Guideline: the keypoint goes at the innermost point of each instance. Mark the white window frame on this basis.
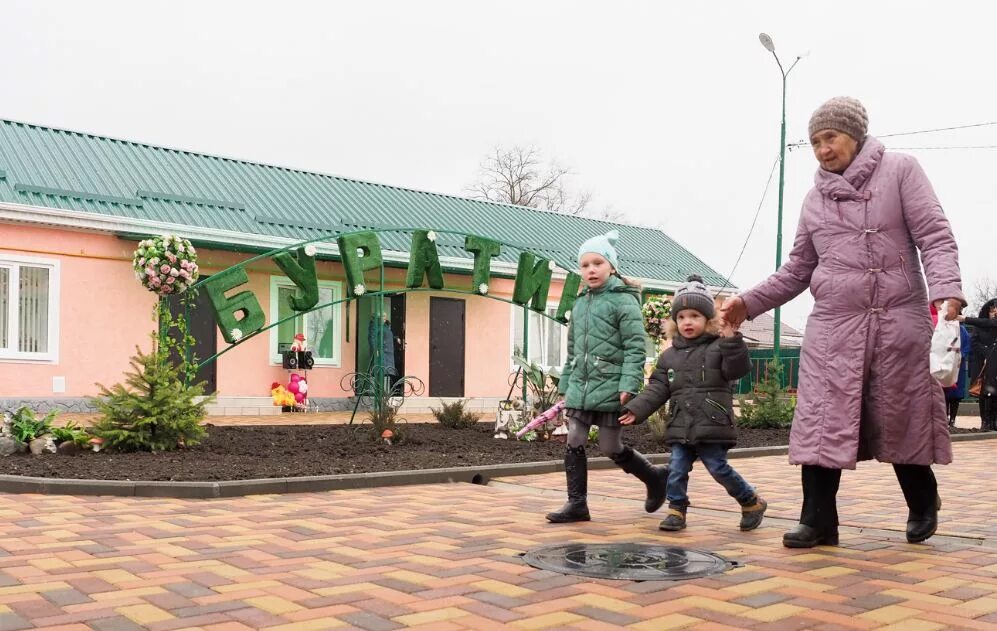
(279, 282)
(513, 332)
(14, 264)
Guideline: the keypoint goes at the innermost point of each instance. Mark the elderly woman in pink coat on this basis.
(865, 388)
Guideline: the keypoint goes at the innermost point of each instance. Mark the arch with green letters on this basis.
(240, 316)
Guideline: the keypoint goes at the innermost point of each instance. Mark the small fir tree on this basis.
(156, 409)
(771, 406)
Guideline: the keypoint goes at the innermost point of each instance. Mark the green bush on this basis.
(26, 427)
(657, 423)
(454, 416)
(71, 432)
(541, 384)
(519, 423)
(154, 410)
(593, 433)
(385, 420)
(771, 406)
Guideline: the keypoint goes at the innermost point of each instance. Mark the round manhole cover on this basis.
(627, 561)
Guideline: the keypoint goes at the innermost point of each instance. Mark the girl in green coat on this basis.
(604, 369)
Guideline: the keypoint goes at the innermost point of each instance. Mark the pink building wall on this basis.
(104, 312)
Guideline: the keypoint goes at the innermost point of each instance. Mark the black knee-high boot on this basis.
(577, 475)
(819, 515)
(921, 492)
(654, 478)
(987, 413)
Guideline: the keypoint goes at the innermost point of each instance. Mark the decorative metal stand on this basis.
(369, 391)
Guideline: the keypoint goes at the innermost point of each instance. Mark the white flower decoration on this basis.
(551, 265)
(236, 334)
(310, 250)
(359, 290)
(567, 315)
(483, 288)
(431, 235)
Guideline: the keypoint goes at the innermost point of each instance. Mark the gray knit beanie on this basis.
(693, 295)
(842, 113)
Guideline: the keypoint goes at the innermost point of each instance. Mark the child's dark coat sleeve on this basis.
(736, 361)
(655, 395)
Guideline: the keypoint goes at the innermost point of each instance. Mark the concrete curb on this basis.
(307, 484)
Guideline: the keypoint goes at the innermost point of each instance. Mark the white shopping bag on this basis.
(946, 353)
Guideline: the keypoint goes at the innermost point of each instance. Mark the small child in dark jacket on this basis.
(696, 374)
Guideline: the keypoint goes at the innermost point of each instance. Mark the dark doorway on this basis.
(394, 308)
(398, 330)
(202, 326)
(446, 347)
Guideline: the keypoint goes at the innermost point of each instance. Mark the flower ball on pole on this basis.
(166, 264)
(656, 311)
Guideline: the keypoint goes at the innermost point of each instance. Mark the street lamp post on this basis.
(770, 46)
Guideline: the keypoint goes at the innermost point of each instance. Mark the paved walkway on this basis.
(447, 557)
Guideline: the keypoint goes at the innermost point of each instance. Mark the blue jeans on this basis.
(714, 458)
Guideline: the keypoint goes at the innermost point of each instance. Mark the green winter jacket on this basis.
(696, 375)
(606, 348)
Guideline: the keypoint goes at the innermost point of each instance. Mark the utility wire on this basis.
(804, 143)
(943, 147)
(930, 131)
(751, 229)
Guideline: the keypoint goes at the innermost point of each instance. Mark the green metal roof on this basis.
(54, 168)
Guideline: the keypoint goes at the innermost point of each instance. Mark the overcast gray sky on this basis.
(668, 111)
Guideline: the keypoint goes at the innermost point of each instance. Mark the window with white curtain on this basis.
(548, 346)
(321, 327)
(29, 299)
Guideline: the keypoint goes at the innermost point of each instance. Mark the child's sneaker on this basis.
(674, 521)
(752, 513)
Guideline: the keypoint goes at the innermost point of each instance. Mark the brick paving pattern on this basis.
(869, 497)
(447, 557)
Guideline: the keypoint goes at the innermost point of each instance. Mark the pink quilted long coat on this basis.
(865, 389)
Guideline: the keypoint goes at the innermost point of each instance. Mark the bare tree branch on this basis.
(984, 289)
(608, 213)
(516, 176)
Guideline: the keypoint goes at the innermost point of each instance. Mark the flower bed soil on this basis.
(272, 451)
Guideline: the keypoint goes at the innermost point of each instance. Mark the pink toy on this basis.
(299, 397)
(303, 387)
(545, 417)
(293, 386)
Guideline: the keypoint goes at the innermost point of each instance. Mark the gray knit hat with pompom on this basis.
(693, 295)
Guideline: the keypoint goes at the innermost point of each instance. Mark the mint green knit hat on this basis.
(603, 245)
